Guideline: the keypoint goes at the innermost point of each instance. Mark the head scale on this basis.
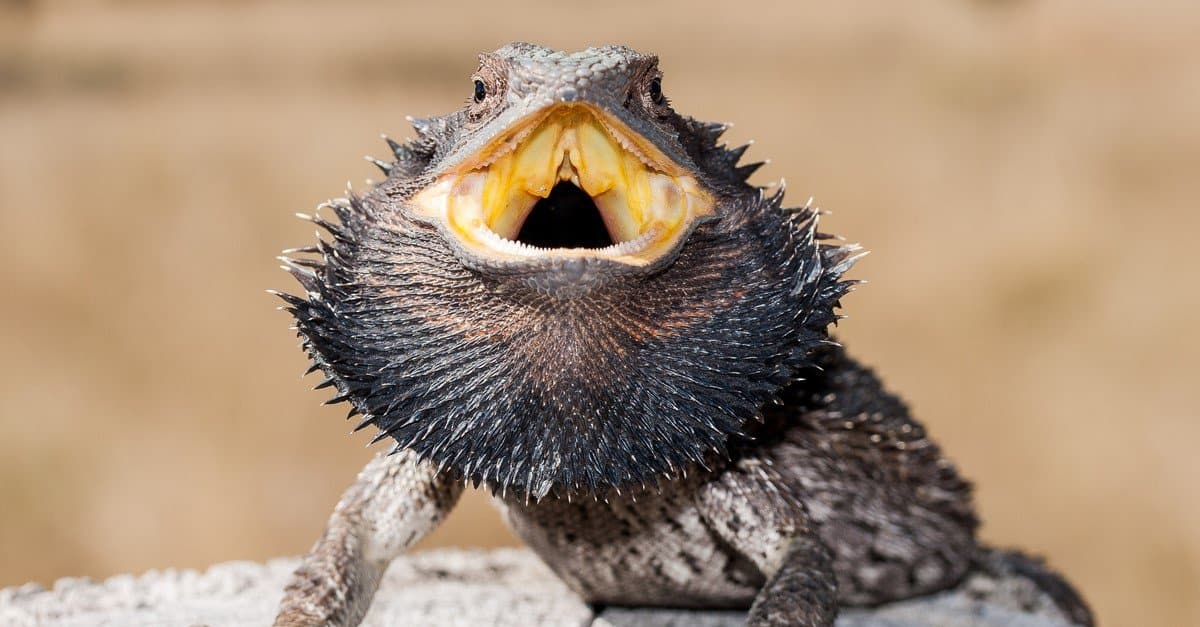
(558, 367)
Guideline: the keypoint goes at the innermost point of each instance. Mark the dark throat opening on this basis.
(567, 218)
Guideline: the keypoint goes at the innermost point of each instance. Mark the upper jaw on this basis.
(648, 202)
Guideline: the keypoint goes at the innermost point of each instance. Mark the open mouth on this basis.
(570, 181)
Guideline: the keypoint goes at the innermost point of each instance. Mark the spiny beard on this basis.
(624, 385)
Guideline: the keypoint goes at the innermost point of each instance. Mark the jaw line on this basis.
(649, 203)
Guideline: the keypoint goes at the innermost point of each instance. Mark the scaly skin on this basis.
(682, 433)
(395, 502)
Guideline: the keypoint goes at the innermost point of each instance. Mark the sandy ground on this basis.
(1025, 174)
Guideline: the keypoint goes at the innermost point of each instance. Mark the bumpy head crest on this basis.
(555, 369)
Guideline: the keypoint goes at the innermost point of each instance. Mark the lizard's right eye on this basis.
(480, 90)
(656, 95)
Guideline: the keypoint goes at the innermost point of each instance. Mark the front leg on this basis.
(803, 590)
(749, 509)
(393, 504)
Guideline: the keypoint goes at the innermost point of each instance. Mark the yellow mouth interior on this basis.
(645, 202)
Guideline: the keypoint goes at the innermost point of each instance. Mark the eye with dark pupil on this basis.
(480, 91)
(656, 95)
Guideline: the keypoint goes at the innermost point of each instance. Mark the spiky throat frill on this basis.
(538, 392)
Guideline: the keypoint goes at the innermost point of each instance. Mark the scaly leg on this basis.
(803, 590)
(393, 504)
(748, 511)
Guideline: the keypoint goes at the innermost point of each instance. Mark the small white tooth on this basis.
(635, 246)
(504, 245)
(628, 145)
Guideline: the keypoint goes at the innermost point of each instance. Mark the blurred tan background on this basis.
(1025, 174)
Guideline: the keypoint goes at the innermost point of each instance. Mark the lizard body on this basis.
(568, 293)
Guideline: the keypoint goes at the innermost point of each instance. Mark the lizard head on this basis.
(565, 287)
(560, 158)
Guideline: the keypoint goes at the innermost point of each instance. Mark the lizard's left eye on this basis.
(480, 91)
(656, 95)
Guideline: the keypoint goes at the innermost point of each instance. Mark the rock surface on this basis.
(455, 588)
